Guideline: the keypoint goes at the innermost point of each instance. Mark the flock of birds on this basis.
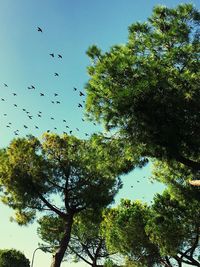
(39, 115)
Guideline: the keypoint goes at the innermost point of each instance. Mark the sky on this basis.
(69, 28)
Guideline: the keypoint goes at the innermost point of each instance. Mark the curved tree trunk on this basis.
(60, 252)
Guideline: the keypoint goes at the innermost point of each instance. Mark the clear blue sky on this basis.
(69, 28)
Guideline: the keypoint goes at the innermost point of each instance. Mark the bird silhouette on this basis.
(15, 105)
(56, 74)
(77, 129)
(59, 56)
(52, 54)
(25, 127)
(75, 89)
(52, 118)
(14, 94)
(39, 29)
(39, 115)
(5, 114)
(81, 93)
(82, 119)
(70, 132)
(41, 94)
(55, 94)
(5, 85)
(57, 102)
(67, 126)
(2, 99)
(64, 120)
(86, 134)
(52, 102)
(36, 127)
(30, 117)
(79, 105)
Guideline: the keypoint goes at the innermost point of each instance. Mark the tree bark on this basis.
(60, 252)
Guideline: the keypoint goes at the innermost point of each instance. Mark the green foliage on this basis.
(124, 230)
(32, 172)
(148, 88)
(173, 225)
(13, 258)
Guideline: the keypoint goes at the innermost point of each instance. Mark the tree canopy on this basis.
(59, 175)
(13, 258)
(148, 88)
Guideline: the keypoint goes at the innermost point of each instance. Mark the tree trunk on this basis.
(60, 252)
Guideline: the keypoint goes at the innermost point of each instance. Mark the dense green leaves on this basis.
(148, 88)
(13, 258)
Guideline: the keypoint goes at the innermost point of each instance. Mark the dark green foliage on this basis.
(148, 89)
(13, 258)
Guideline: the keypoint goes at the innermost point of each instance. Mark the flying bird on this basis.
(59, 56)
(15, 105)
(2, 99)
(39, 115)
(55, 94)
(25, 127)
(52, 54)
(14, 94)
(79, 105)
(70, 132)
(52, 102)
(5, 85)
(56, 74)
(57, 102)
(64, 120)
(75, 89)
(81, 93)
(52, 118)
(36, 127)
(41, 94)
(39, 29)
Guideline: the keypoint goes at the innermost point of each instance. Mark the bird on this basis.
(8, 126)
(77, 129)
(15, 105)
(52, 54)
(52, 102)
(25, 127)
(29, 87)
(83, 120)
(2, 99)
(55, 94)
(30, 117)
(138, 181)
(36, 127)
(79, 105)
(94, 123)
(59, 56)
(5, 85)
(70, 132)
(75, 89)
(81, 93)
(32, 86)
(24, 109)
(131, 186)
(86, 134)
(5, 114)
(52, 118)
(14, 94)
(41, 94)
(56, 74)
(39, 115)
(57, 102)
(55, 128)
(40, 112)
(64, 120)
(39, 29)
(67, 126)
(48, 131)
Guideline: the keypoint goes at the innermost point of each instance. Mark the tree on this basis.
(164, 234)
(124, 230)
(148, 89)
(61, 176)
(13, 258)
(86, 243)
(175, 228)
